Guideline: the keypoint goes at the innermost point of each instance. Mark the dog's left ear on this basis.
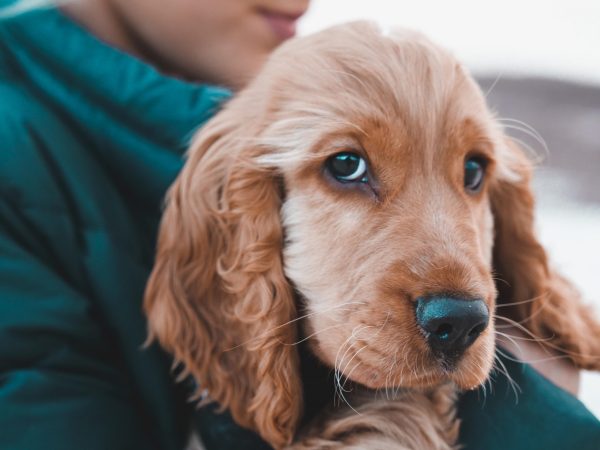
(217, 297)
(541, 299)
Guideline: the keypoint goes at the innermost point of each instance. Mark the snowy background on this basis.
(511, 44)
(556, 38)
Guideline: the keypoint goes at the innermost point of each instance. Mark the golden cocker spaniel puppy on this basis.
(358, 194)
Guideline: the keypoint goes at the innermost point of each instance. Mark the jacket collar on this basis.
(137, 121)
(74, 68)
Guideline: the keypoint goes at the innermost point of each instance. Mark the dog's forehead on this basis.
(360, 69)
(394, 90)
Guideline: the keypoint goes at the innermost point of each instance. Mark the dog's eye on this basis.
(348, 167)
(474, 173)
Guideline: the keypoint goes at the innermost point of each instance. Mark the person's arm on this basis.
(555, 367)
(62, 384)
(520, 409)
(60, 387)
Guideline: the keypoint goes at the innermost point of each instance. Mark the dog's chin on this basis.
(467, 380)
(463, 378)
(376, 380)
(474, 368)
(468, 373)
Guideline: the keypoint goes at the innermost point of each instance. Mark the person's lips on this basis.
(283, 25)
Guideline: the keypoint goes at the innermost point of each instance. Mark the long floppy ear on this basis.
(217, 297)
(540, 299)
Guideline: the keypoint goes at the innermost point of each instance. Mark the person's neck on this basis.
(103, 20)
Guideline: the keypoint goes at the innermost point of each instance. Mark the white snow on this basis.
(559, 38)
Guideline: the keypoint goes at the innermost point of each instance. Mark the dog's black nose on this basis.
(450, 324)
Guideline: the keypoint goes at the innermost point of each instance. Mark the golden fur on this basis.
(258, 248)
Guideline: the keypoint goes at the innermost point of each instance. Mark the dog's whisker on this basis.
(313, 334)
(484, 389)
(346, 366)
(353, 335)
(525, 128)
(338, 361)
(341, 395)
(546, 342)
(491, 88)
(521, 338)
(321, 311)
(339, 372)
(365, 346)
(514, 342)
(383, 325)
(390, 373)
(348, 377)
(532, 361)
(268, 332)
(536, 159)
(537, 137)
(496, 277)
(512, 383)
(489, 384)
(514, 324)
(522, 302)
(540, 305)
(523, 124)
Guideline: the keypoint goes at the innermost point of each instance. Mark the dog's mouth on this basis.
(386, 351)
(368, 365)
(375, 378)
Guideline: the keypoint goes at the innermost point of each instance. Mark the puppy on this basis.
(358, 195)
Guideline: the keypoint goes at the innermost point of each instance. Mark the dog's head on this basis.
(361, 183)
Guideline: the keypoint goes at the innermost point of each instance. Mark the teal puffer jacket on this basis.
(90, 139)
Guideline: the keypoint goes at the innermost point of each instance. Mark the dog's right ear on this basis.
(217, 297)
(538, 298)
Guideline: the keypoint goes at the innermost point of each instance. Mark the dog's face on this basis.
(386, 207)
(359, 182)
(363, 253)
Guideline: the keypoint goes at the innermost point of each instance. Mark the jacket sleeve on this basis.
(60, 387)
(526, 412)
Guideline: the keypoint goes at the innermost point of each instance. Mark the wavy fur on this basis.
(254, 230)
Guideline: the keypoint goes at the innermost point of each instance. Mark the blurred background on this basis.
(539, 62)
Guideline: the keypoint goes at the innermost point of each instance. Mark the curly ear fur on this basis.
(217, 297)
(540, 299)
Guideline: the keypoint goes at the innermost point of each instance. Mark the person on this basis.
(99, 99)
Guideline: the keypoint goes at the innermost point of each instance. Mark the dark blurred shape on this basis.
(567, 116)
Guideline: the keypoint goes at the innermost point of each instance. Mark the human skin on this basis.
(553, 366)
(212, 41)
(226, 42)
